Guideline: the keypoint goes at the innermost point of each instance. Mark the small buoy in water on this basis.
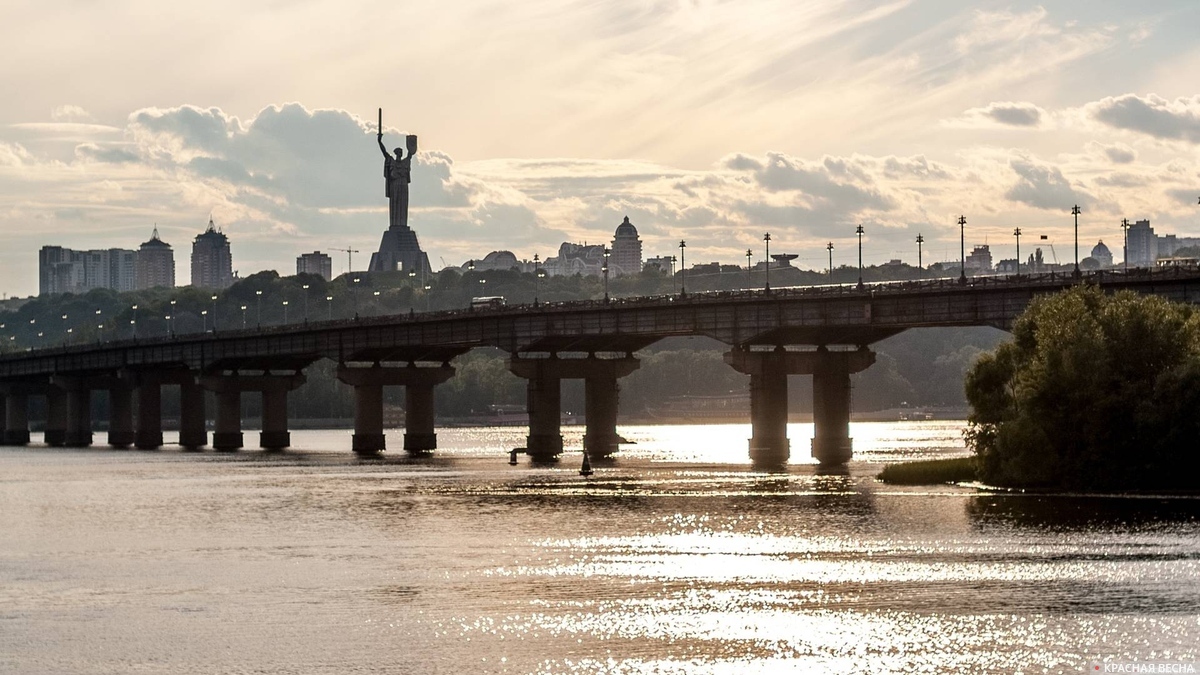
(512, 457)
(586, 469)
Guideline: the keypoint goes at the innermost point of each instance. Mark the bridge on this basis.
(823, 331)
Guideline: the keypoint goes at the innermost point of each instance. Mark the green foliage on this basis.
(930, 472)
(1094, 392)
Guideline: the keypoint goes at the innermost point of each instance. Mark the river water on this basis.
(676, 557)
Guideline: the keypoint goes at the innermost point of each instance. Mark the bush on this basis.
(930, 472)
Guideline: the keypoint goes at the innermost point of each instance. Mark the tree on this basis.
(1094, 392)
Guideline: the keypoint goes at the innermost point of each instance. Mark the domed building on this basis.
(1102, 255)
(626, 250)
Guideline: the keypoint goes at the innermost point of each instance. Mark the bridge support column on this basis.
(544, 399)
(768, 371)
(420, 415)
(77, 428)
(227, 434)
(55, 433)
(120, 417)
(149, 435)
(16, 419)
(192, 434)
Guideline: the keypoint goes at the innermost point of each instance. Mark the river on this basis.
(675, 557)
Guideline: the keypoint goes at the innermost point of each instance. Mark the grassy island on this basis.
(930, 472)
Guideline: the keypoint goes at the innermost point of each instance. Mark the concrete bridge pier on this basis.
(16, 418)
(192, 433)
(55, 432)
(148, 435)
(544, 401)
(120, 416)
(227, 432)
(420, 415)
(768, 371)
(76, 413)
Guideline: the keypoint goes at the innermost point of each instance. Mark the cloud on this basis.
(1005, 114)
(71, 113)
(1120, 154)
(1044, 187)
(1151, 115)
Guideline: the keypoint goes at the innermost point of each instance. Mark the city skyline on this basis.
(700, 122)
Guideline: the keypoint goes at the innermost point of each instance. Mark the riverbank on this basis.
(930, 472)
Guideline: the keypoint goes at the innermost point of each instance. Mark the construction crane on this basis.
(349, 257)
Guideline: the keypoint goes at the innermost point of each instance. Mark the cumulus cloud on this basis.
(1151, 115)
(1004, 113)
(1120, 153)
(1044, 187)
(71, 113)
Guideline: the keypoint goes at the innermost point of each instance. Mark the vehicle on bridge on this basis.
(487, 302)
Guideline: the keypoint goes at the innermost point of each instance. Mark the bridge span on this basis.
(823, 331)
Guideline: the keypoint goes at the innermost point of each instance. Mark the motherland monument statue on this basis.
(399, 248)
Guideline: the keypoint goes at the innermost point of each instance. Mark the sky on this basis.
(545, 121)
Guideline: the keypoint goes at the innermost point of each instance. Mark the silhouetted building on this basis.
(155, 266)
(1102, 255)
(315, 263)
(584, 259)
(626, 250)
(63, 270)
(212, 262)
(1143, 246)
(980, 260)
(496, 260)
(661, 263)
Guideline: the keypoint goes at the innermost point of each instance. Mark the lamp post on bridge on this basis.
(962, 249)
(920, 240)
(682, 269)
(329, 308)
(672, 274)
(172, 318)
(354, 291)
(204, 320)
(767, 261)
(243, 317)
(1125, 249)
(859, 231)
(829, 247)
(604, 269)
(1017, 234)
(285, 312)
(749, 270)
(214, 312)
(305, 288)
(537, 275)
(1075, 211)
(258, 308)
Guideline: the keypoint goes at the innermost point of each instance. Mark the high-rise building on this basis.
(626, 250)
(155, 266)
(63, 270)
(315, 263)
(212, 263)
(1143, 245)
(979, 260)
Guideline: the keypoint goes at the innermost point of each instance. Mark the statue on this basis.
(397, 174)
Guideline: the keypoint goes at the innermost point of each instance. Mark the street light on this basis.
(214, 312)
(427, 289)
(749, 269)
(537, 274)
(604, 269)
(378, 309)
(829, 247)
(767, 260)
(860, 234)
(258, 308)
(204, 319)
(962, 249)
(1075, 211)
(673, 274)
(243, 317)
(682, 269)
(1125, 254)
(285, 306)
(329, 307)
(172, 318)
(920, 240)
(354, 288)
(305, 287)
(1017, 234)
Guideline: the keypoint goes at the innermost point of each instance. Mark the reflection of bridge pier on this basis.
(768, 371)
(602, 393)
(419, 415)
